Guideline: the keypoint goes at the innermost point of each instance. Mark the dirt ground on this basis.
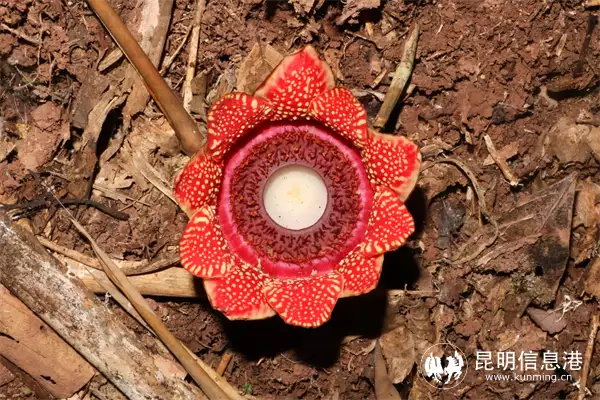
(503, 260)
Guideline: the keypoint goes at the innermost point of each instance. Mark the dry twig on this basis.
(591, 3)
(401, 77)
(184, 126)
(169, 60)
(20, 35)
(206, 383)
(500, 161)
(589, 351)
(139, 269)
(193, 55)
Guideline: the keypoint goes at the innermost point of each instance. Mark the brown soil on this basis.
(482, 68)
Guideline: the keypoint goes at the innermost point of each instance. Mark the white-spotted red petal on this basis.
(392, 161)
(306, 302)
(360, 272)
(339, 110)
(390, 223)
(202, 248)
(239, 295)
(295, 82)
(231, 117)
(198, 183)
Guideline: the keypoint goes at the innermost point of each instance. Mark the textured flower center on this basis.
(295, 199)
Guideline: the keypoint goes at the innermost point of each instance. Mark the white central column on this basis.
(295, 197)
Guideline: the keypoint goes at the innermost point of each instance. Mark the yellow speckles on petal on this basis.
(239, 294)
(361, 273)
(297, 80)
(392, 161)
(339, 110)
(232, 117)
(306, 302)
(202, 248)
(390, 223)
(198, 183)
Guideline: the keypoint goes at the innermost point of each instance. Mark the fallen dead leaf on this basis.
(548, 320)
(255, 68)
(592, 280)
(507, 152)
(302, 7)
(534, 248)
(586, 221)
(570, 142)
(352, 9)
(439, 177)
(398, 348)
(384, 389)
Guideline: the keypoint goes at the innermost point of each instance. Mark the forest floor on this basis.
(505, 257)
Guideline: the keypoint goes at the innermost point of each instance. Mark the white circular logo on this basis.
(443, 366)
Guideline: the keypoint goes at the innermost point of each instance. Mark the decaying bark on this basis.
(62, 301)
(28, 343)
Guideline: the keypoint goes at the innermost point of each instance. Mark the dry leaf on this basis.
(592, 281)
(439, 177)
(303, 7)
(353, 7)
(586, 221)
(384, 389)
(398, 348)
(256, 67)
(549, 321)
(570, 142)
(534, 241)
(507, 152)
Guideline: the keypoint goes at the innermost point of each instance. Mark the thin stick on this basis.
(500, 161)
(184, 126)
(146, 268)
(591, 3)
(401, 77)
(67, 202)
(20, 35)
(169, 60)
(589, 351)
(206, 383)
(193, 55)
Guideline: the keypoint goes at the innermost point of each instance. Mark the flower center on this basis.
(295, 197)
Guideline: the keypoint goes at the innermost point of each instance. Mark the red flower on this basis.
(294, 201)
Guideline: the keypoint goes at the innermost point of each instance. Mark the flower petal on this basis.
(392, 161)
(239, 295)
(202, 248)
(361, 273)
(299, 78)
(306, 302)
(390, 223)
(198, 183)
(339, 110)
(230, 118)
